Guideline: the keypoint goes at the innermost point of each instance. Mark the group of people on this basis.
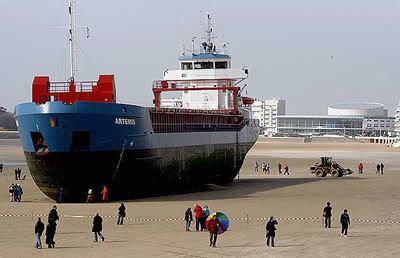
(379, 168)
(17, 173)
(16, 192)
(266, 168)
(344, 219)
(200, 214)
(51, 227)
(104, 195)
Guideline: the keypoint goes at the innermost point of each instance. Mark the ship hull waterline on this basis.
(140, 173)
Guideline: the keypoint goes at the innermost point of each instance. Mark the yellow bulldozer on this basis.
(329, 166)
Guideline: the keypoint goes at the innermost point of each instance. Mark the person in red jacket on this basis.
(198, 214)
(104, 193)
(360, 168)
(213, 228)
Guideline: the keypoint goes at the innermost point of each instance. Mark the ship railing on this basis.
(182, 84)
(191, 111)
(217, 51)
(62, 87)
(197, 127)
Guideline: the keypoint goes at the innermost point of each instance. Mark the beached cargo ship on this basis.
(76, 136)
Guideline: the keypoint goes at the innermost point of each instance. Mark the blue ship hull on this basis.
(88, 145)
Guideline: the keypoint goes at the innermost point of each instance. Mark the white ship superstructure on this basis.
(206, 68)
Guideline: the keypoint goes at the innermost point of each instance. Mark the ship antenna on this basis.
(208, 28)
(193, 40)
(72, 44)
(208, 45)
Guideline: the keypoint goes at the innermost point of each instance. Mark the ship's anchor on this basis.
(119, 161)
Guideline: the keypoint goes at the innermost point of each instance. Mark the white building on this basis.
(353, 119)
(267, 111)
(361, 109)
(397, 121)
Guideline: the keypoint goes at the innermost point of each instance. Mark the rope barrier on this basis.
(181, 219)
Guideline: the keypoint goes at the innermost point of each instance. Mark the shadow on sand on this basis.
(242, 188)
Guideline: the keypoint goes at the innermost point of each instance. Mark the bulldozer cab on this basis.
(326, 161)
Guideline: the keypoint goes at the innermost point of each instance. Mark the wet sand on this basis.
(154, 226)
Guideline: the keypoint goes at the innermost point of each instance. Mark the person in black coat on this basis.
(97, 227)
(53, 215)
(327, 214)
(39, 228)
(345, 220)
(50, 232)
(271, 231)
(188, 218)
(121, 214)
(60, 196)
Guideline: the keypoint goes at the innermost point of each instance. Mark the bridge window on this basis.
(203, 65)
(221, 65)
(186, 66)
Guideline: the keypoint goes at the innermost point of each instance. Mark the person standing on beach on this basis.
(256, 166)
(20, 192)
(345, 220)
(11, 191)
(270, 228)
(121, 214)
(198, 214)
(268, 168)
(327, 213)
(280, 168)
(97, 227)
(53, 215)
(378, 168)
(382, 166)
(360, 168)
(89, 198)
(16, 173)
(206, 213)
(188, 218)
(39, 228)
(286, 168)
(264, 167)
(104, 197)
(213, 226)
(1, 167)
(50, 233)
(60, 196)
(17, 193)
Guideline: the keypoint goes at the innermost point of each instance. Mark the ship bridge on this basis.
(205, 66)
(205, 77)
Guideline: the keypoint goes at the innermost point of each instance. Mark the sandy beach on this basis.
(154, 227)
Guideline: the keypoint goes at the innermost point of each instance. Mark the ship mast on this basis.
(208, 28)
(72, 43)
(208, 44)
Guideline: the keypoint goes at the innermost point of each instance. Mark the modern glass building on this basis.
(336, 125)
(320, 125)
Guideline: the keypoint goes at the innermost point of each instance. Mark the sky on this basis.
(310, 53)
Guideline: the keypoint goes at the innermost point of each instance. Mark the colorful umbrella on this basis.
(222, 219)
